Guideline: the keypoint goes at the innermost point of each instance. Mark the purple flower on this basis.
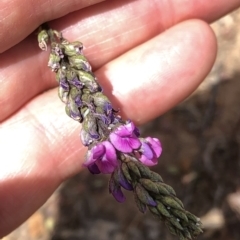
(102, 158)
(117, 181)
(150, 151)
(116, 191)
(124, 138)
(121, 179)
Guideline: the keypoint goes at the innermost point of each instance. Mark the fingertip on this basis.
(28, 15)
(157, 75)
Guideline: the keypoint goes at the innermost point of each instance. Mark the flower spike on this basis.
(114, 145)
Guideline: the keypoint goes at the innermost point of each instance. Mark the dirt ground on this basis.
(201, 160)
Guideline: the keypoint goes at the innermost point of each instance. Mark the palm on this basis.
(142, 71)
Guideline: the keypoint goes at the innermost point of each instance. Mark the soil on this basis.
(201, 161)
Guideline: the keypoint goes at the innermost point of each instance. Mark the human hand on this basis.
(142, 69)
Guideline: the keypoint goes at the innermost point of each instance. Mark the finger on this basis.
(28, 15)
(31, 166)
(160, 73)
(24, 74)
(155, 76)
(112, 28)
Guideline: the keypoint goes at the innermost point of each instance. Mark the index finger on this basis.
(28, 15)
(18, 18)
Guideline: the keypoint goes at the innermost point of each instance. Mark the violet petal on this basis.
(89, 159)
(93, 168)
(130, 127)
(134, 143)
(98, 151)
(78, 101)
(148, 162)
(123, 181)
(146, 150)
(122, 131)
(118, 195)
(116, 191)
(105, 167)
(155, 145)
(121, 144)
(110, 152)
(151, 202)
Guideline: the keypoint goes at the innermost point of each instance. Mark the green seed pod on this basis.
(170, 202)
(153, 210)
(176, 223)
(179, 214)
(141, 206)
(145, 171)
(156, 177)
(169, 189)
(144, 196)
(197, 231)
(178, 201)
(132, 166)
(163, 210)
(181, 236)
(171, 228)
(149, 185)
(126, 172)
(186, 234)
(192, 217)
(161, 189)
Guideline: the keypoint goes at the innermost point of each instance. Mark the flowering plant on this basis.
(114, 146)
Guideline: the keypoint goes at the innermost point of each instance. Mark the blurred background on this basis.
(201, 161)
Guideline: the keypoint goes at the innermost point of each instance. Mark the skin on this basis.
(147, 55)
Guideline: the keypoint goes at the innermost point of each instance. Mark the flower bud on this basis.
(61, 75)
(43, 39)
(144, 196)
(102, 102)
(54, 62)
(76, 96)
(79, 62)
(89, 131)
(63, 94)
(74, 80)
(73, 104)
(89, 81)
(116, 191)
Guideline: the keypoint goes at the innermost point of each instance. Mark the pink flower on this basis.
(150, 151)
(125, 139)
(101, 158)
